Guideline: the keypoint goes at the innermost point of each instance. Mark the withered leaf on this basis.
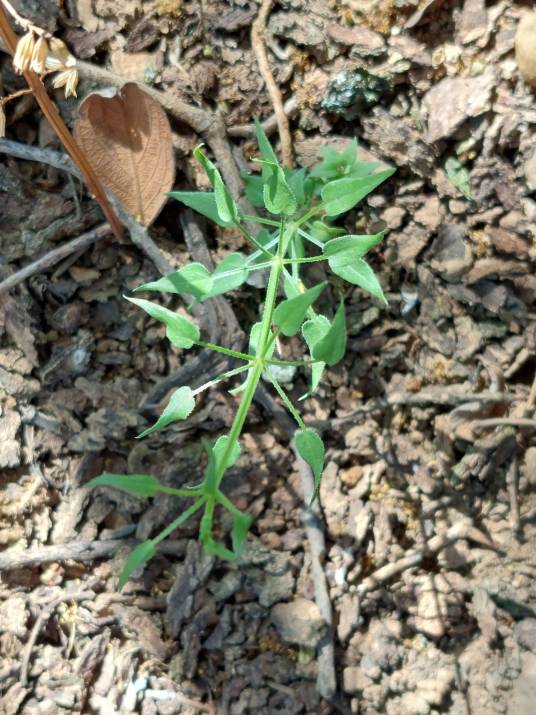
(127, 140)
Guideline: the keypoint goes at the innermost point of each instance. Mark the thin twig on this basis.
(82, 550)
(55, 256)
(312, 520)
(51, 113)
(415, 557)
(512, 481)
(139, 234)
(247, 131)
(41, 620)
(258, 33)
(524, 422)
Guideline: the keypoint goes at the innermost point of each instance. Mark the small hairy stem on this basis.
(179, 520)
(259, 363)
(221, 378)
(226, 351)
(286, 400)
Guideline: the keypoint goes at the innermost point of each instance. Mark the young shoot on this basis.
(301, 206)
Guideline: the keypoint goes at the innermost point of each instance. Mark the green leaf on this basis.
(459, 176)
(241, 524)
(361, 274)
(311, 449)
(180, 406)
(204, 202)
(289, 315)
(296, 179)
(254, 335)
(253, 184)
(179, 331)
(226, 207)
(313, 331)
(140, 485)
(341, 195)
(345, 249)
(219, 447)
(331, 348)
(222, 283)
(265, 148)
(278, 196)
(323, 231)
(192, 279)
(137, 558)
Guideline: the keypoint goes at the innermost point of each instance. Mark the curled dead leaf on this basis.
(127, 140)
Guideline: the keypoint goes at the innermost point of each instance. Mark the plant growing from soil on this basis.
(302, 206)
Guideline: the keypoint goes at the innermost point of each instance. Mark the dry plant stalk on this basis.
(28, 58)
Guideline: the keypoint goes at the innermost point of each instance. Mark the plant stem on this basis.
(259, 363)
(286, 400)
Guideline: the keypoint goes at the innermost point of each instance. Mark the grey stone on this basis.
(299, 621)
(525, 633)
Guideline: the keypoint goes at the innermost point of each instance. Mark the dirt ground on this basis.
(411, 591)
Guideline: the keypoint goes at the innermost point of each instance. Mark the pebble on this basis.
(299, 621)
(526, 48)
(525, 633)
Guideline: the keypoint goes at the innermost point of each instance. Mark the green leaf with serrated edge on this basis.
(140, 485)
(331, 348)
(139, 556)
(180, 406)
(222, 283)
(289, 315)
(179, 330)
(345, 249)
(227, 209)
(296, 180)
(311, 449)
(239, 533)
(313, 331)
(341, 195)
(265, 148)
(323, 232)
(192, 279)
(278, 196)
(219, 448)
(204, 202)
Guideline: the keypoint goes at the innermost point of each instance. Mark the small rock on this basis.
(506, 241)
(370, 667)
(354, 680)
(530, 172)
(451, 253)
(414, 704)
(525, 633)
(13, 616)
(430, 214)
(453, 100)
(523, 695)
(393, 216)
(299, 621)
(526, 48)
(362, 40)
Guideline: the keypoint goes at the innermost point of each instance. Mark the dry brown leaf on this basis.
(127, 139)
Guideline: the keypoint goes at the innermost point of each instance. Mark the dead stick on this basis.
(50, 111)
(76, 551)
(312, 520)
(414, 558)
(258, 32)
(55, 256)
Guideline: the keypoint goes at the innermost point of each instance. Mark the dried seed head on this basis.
(24, 52)
(62, 56)
(2, 121)
(39, 56)
(69, 80)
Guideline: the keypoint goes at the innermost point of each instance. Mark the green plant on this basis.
(305, 204)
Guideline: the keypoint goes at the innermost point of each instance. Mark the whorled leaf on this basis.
(179, 330)
(180, 406)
